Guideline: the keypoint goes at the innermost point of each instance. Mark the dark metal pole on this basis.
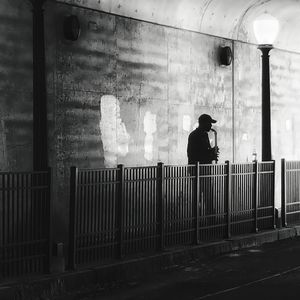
(266, 104)
(40, 130)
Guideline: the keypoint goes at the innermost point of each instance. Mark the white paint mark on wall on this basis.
(149, 128)
(115, 138)
(288, 125)
(186, 123)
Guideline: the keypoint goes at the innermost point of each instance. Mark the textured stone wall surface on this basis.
(130, 92)
(15, 85)
(247, 102)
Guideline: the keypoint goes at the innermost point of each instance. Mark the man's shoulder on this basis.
(197, 133)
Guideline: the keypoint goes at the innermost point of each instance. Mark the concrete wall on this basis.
(130, 92)
(15, 85)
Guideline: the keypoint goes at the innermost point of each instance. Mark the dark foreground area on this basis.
(271, 270)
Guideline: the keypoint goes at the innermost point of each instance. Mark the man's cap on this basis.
(206, 119)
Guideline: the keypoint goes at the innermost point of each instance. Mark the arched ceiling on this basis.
(225, 18)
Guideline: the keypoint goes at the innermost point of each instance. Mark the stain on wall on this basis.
(114, 136)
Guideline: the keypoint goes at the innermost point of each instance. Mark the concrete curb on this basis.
(50, 286)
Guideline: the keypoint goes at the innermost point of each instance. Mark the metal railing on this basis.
(24, 223)
(122, 211)
(290, 192)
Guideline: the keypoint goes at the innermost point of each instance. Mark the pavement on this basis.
(196, 269)
(269, 271)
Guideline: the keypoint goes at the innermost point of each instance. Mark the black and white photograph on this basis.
(149, 149)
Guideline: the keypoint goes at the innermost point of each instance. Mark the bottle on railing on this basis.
(254, 155)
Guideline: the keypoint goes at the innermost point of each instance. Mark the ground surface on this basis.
(271, 271)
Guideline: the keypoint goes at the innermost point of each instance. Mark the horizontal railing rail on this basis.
(25, 223)
(127, 210)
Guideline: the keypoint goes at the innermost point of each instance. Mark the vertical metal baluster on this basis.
(4, 227)
(136, 209)
(93, 217)
(22, 224)
(147, 211)
(179, 208)
(119, 215)
(196, 203)
(107, 205)
(9, 216)
(144, 215)
(73, 217)
(100, 252)
(142, 211)
(234, 198)
(152, 205)
(176, 211)
(256, 189)
(160, 206)
(228, 197)
(283, 192)
(103, 228)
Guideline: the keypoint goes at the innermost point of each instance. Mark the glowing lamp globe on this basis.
(265, 29)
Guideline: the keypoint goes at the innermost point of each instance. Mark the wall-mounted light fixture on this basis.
(225, 55)
(71, 28)
(265, 29)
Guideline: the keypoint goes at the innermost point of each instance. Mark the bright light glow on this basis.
(265, 28)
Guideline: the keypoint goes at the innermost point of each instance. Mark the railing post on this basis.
(196, 203)
(256, 190)
(160, 206)
(119, 211)
(273, 192)
(228, 198)
(283, 192)
(73, 217)
(49, 221)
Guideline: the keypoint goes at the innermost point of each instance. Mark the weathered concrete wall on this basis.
(15, 85)
(285, 93)
(130, 92)
(229, 19)
(285, 107)
(247, 102)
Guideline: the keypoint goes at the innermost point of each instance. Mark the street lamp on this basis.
(265, 30)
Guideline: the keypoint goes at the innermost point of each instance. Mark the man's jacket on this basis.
(199, 148)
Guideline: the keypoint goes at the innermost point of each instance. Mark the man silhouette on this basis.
(199, 148)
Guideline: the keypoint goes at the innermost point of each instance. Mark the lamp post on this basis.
(265, 30)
